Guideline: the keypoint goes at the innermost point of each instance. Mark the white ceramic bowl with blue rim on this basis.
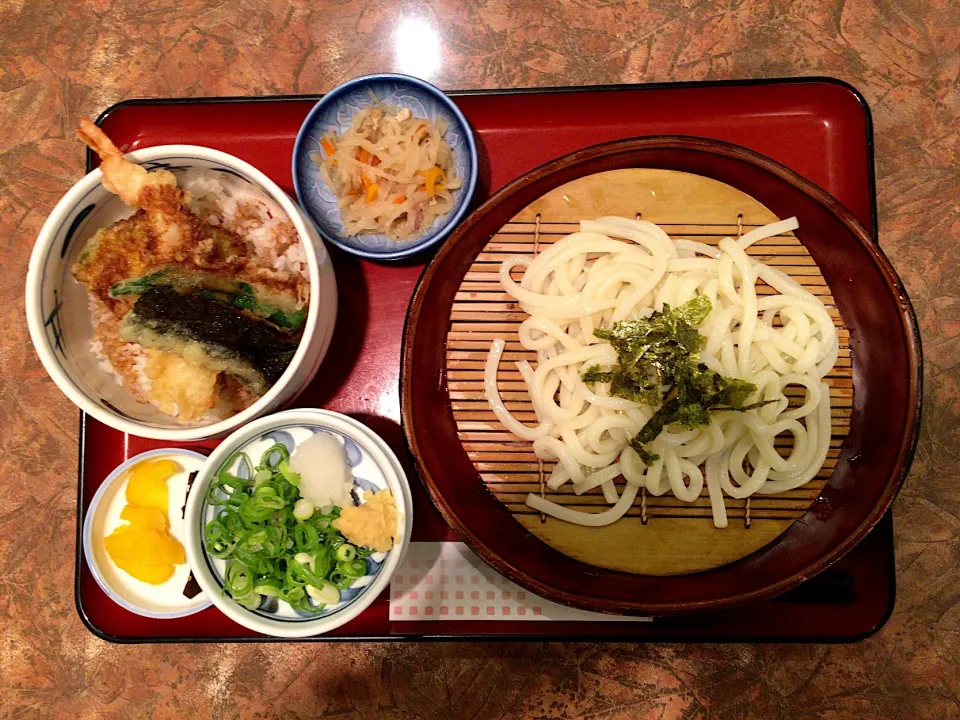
(334, 112)
(374, 467)
(61, 326)
(165, 601)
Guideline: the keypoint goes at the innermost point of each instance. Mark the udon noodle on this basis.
(617, 269)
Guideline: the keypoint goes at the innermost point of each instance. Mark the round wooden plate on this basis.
(659, 535)
(883, 418)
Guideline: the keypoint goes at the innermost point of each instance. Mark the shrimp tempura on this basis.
(120, 176)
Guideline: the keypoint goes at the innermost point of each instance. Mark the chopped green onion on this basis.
(289, 475)
(251, 601)
(269, 587)
(305, 537)
(276, 543)
(257, 537)
(266, 460)
(346, 552)
(304, 559)
(303, 509)
(354, 568)
(239, 579)
(326, 593)
(340, 580)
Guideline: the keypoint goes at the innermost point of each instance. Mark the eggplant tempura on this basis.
(199, 297)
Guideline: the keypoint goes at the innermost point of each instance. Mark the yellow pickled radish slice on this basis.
(148, 517)
(144, 545)
(147, 486)
(144, 548)
(153, 574)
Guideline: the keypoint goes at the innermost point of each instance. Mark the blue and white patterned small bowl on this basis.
(374, 467)
(335, 111)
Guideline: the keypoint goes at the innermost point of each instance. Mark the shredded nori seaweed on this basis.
(658, 365)
(594, 374)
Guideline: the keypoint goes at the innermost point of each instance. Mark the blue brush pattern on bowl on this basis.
(335, 111)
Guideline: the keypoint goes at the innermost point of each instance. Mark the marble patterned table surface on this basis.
(62, 59)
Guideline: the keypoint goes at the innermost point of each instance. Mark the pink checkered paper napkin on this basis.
(448, 581)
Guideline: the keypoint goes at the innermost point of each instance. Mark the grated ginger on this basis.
(372, 524)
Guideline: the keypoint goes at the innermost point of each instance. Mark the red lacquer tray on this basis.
(818, 127)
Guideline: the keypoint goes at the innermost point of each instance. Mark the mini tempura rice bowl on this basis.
(373, 467)
(62, 325)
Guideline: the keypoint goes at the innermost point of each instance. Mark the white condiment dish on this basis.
(165, 601)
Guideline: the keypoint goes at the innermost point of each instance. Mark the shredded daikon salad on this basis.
(393, 173)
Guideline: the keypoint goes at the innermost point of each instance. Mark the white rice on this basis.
(242, 208)
(105, 323)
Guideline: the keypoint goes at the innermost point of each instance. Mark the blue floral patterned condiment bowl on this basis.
(334, 112)
(373, 467)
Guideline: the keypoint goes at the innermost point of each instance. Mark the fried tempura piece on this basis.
(209, 334)
(129, 249)
(155, 192)
(135, 185)
(163, 233)
(180, 388)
